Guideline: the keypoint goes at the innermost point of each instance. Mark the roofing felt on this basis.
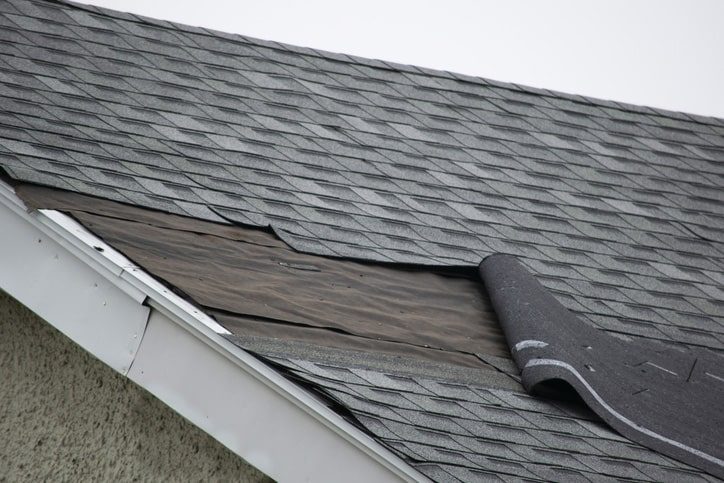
(254, 284)
(452, 417)
(617, 209)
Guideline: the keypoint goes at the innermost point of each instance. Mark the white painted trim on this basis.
(89, 307)
(178, 353)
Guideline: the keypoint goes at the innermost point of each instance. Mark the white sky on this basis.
(662, 53)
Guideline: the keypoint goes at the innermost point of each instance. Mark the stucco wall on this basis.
(64, 415)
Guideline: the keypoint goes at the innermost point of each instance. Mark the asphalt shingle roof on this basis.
(617, 209)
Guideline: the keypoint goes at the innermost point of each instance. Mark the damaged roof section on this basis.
(413, 356)
(255, 285)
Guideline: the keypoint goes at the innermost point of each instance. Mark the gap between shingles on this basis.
(266, 230)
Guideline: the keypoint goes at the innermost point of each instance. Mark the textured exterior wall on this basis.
(64, 415)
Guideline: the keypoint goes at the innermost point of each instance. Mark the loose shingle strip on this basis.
(666, 398)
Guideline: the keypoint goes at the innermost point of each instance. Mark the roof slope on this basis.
(617, 209)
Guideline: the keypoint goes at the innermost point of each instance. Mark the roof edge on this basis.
(131, 322)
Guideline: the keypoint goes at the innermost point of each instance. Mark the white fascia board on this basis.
(84, 304)
(269, 431)
(133, 323)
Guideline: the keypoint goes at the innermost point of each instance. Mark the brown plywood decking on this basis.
(254, 284)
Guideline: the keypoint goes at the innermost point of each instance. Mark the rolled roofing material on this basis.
(670, 399)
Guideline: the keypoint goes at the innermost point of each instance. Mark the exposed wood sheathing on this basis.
(255, 284)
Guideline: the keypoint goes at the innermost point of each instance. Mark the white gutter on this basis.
(130, 321)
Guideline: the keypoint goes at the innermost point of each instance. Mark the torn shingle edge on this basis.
(666, 398)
